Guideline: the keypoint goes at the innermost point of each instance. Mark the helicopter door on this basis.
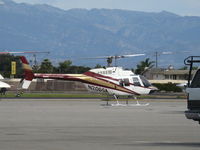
(124, 82)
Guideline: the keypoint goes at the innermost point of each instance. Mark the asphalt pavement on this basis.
(89, 125)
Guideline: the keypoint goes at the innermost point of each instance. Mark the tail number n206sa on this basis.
(97, 89)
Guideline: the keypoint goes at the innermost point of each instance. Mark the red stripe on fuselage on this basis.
(96, 75)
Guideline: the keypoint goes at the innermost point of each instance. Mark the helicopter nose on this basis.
(153, 89)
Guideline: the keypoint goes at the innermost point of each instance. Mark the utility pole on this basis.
(35, 60)
(156, 54)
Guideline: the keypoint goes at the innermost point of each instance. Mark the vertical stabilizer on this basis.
(28, 73)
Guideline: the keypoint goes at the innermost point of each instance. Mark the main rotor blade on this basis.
(132, 55)
(167, 53)
(116, 57)
(101, 57)
(24, 52)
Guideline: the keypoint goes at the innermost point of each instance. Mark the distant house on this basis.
(158, 75)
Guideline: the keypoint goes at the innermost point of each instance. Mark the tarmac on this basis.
(54, 124)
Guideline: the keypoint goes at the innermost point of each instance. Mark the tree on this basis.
(64, 66)
(195, 68)
(144, 65)
(46, 66)
(35, 68)
(5, 65)
(98, 66)
(183, 68)
(78, 69)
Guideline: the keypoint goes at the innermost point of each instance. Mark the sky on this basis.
(180, 7)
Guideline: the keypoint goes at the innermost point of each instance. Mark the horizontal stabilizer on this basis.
(1, 77)
(25, 84)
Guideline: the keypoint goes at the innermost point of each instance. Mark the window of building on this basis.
(174, 77)
(166, 76)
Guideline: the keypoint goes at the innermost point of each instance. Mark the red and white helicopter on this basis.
(113, 81)
(3, 86)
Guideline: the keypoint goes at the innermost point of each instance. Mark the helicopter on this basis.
(3, 86)
(114, 81)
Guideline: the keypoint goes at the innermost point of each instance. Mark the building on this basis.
(158, 75)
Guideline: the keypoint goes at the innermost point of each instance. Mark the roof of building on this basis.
(169, 72)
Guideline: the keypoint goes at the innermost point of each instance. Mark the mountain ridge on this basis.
(78, 33)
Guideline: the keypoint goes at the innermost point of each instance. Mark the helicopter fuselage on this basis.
(109, 81)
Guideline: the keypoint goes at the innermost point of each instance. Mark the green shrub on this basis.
(168, 87)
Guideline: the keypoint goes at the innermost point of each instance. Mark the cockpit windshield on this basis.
(136, 81)
(145, 81)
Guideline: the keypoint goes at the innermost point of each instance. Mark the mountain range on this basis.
(78, 33)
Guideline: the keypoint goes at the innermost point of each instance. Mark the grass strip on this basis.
(85, 95)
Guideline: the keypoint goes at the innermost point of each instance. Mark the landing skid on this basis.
(131, 105)
(127, 104)
(138, 104)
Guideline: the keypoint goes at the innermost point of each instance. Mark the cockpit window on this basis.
(196, 80)
(136, 81)
(121, 83)
(145, 82)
